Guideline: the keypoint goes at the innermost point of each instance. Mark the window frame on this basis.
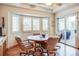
(20, 23)
(12, 23)
(39, 24)
(23, 25)
(48, 24)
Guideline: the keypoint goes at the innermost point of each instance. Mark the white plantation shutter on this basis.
(61, 24)
(15, 23)
(45, 24)
(27, 23)
(36, 24)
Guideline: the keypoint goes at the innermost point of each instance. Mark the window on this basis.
(36, 24)
(45, 24)
(71, 22)
(61, 24)
(27, 23)
(15, 23)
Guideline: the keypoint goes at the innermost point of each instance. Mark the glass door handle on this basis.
(75, 31)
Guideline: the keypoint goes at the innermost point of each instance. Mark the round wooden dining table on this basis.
(37, 39)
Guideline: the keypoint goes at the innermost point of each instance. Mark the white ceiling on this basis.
(53, 8)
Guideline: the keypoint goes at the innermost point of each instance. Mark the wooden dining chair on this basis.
(51, 44)
(59, 41)
(38, 52)
(24, 47)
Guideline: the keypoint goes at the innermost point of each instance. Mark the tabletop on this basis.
(37, 38)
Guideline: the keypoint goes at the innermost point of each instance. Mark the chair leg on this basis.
(31, 52)
(54, 54)
(27, 52)
(22, 53)
(47, 53)
(58, 47)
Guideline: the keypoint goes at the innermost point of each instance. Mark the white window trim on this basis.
(12, 24)
(30, 31)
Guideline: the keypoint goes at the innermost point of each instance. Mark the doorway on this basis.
(71, 30)
(67, 27)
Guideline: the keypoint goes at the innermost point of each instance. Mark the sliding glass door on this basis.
(71, 30)
(67, 27)
(61, 28)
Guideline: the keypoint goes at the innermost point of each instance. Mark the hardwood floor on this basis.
(63, 51)
(14, 51)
